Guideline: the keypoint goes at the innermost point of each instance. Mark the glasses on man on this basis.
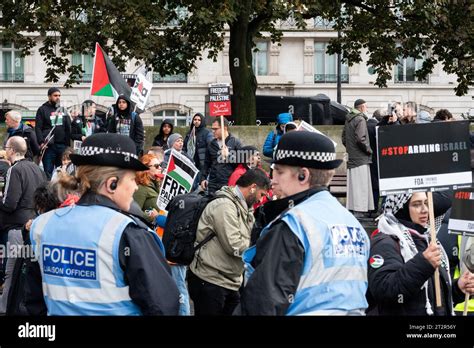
(215, 129)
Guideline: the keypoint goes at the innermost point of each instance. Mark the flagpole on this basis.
(93, 68)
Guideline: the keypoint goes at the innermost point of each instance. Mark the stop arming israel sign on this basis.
(141, 91)
(461, 220)
(219, 99)
(424, 157)
(179, 178)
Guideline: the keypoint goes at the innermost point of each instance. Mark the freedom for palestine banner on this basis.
(179, 178)
(106, 79)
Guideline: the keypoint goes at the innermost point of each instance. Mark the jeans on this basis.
(210, 299)
(53, 158)
(179, 275)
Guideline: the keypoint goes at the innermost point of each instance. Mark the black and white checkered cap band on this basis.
(93, 150)
(306, 155)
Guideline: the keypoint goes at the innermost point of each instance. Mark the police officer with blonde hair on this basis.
(95, 258)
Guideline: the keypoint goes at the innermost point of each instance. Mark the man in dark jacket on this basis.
(17, 205)
(17, 128)
(355, 138)
(124, 121)
(197, 140)
(221, 159)
(161, 139)
(50, 115)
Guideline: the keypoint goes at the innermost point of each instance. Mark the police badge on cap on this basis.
(306, 149)
(108, 149)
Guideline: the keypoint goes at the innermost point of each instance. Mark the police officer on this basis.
(312, 258)
(96, 259)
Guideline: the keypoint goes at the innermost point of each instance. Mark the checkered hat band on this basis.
(306, 155)
(93, 150)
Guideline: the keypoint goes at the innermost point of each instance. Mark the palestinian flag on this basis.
(106, 79)
(180, 172)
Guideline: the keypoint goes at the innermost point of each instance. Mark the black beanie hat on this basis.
(52, 90)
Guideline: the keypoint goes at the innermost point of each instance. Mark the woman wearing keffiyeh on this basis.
(403, 261)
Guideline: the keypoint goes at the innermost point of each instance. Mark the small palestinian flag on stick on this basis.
(106, 79)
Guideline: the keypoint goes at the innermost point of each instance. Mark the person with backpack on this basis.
(122, 120)
(215, 274)
(16, 128)
(274, 136)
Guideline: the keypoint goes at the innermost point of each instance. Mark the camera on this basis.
(390, 109)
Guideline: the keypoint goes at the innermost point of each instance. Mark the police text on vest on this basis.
(69, 262)
(37, 331)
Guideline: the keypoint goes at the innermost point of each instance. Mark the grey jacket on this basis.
(219, 261)
(355, 138)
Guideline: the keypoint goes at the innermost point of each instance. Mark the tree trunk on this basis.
(244, 83)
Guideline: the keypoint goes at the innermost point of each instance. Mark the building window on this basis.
(325, 65)
(180, 118)
(260, 59)
(87, 62)
(12, 64)
(176, 78)
(406, 68)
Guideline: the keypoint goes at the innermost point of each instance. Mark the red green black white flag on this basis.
(106, 79)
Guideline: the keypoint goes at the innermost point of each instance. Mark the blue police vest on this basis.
(78, 252)
(336, 247)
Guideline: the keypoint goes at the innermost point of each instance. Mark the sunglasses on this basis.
(157, 165)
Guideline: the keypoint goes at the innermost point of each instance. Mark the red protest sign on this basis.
(219, 100)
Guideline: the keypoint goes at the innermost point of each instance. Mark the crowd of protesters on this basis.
(91, 221)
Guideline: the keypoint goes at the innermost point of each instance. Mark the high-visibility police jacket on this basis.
(78, 252)
(336, 251)
(462, 246)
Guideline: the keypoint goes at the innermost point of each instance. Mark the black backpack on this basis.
(181, 225)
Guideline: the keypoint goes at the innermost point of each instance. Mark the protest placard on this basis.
(461, 220)
(141, 91)
(219, 100)
(178, 180)
(424, 157)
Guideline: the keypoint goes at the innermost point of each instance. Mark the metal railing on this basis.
(17, 77)
(409, 79)
(330, 78)
(85, 78)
